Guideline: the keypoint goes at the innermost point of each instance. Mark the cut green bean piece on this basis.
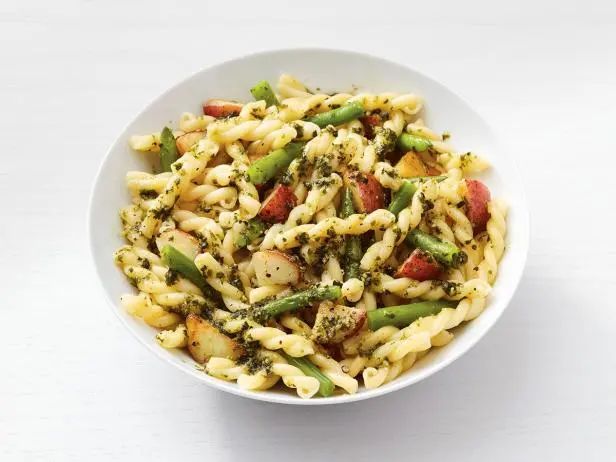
(326, 386)
(408, 142)
(179, 262)
(339, 116)
(297, 301)
(270, 165)
(404, 315)
(444, 252)
(352, 244)
(168, 149)
(402, 197)
(263, 91)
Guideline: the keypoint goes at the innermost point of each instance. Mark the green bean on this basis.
(263, 91)
(326, 386)
(339, 116)
(179, 262)
(297, 301)
(408, 142)
(404, 315)
(168, 149)
(352, 245)
(272, 164)
(444, 252)
(402, 197)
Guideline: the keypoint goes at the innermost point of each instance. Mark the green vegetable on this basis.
(263, 91)
(338, 116)
(444, 252)
(402, 197)
(179, 262)
(408, 142)
(326, 387)
(272, 164)
(254, 229)
(403, 315)
(297, 301)
(168, 149)
(352, 246)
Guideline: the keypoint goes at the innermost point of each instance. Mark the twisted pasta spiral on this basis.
(354, 224)
(417, 337)
(330, 367)
(429, 290)
(374, 377)
(495, 247)
(249, 130)
(270, 338)
(145, 143)
(184, 170)
(141, 306)
(299, 101)
(173, 338)
(292, 377)
(320, 195)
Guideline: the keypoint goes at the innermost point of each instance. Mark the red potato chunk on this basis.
(275, 267)
(370, 122)
(276, 206)
(335, 323)
(206, 341)
(411, 165)
(221, 108)
(420, 266)
(477, 197)
(367, 192)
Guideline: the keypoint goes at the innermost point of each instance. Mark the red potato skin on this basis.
(369, 122)
(276, 206)
(477, 198)
(361, 320)
(367, 192)
(419, 266)
(360, 316)
(221, 108)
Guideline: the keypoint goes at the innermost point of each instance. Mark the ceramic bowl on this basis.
(330, 70)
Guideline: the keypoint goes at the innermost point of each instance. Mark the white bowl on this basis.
(329, 70)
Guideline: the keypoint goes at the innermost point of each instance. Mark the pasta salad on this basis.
(310, 239)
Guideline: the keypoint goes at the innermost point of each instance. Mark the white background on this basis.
(75, 386)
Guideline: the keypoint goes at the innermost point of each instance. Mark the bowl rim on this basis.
(523, 243)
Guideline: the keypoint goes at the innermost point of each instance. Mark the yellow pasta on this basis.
(275, 264)
(175, 338)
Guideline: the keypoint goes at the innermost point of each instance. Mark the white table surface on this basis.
(75, 386)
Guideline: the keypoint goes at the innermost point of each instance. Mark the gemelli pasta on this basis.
(313, 240)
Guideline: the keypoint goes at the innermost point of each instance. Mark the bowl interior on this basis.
(327, 70)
